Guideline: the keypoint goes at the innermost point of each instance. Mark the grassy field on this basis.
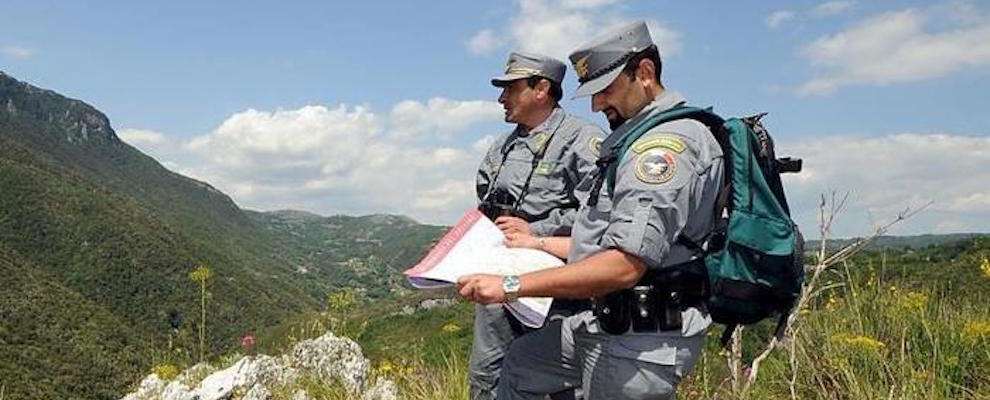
(896, 324)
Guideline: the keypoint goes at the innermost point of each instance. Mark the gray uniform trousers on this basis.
(493, 336)
(573, 353)
(571, 150)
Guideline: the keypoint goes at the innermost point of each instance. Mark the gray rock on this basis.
(257, 392)
(434, 303)
(151, 387)
(300, 395)
(332, 359)
(328, 358)
(176, 390)
(383, 389)
(193, 375)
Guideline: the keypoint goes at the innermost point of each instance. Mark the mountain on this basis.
(368, 253)
(97, 240)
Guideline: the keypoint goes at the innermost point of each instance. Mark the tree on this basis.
(201, 274)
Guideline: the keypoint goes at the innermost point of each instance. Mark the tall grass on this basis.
(889, 325)
(875, 335)
(420, 380)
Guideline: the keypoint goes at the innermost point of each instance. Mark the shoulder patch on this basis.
(655, 166)
(595, 146)
(544, 167)
(666, 141)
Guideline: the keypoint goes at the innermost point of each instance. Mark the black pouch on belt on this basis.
(643, 312)
(678, 288)
(613, 313)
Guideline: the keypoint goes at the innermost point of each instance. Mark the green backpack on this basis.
(754, 258)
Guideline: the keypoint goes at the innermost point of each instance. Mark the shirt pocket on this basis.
(548, 177)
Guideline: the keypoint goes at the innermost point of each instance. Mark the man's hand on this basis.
(512, 225)
(523, 240)
(481, 288)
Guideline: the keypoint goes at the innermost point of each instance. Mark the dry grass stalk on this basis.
(828, 210)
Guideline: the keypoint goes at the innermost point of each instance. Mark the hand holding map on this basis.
(476, 246)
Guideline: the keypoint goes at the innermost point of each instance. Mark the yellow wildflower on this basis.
(985, 267)
(341, 301)
(858, 342)
(385, 367)
(912, 301)
(976, 330)
(832, 302)
(165, 371)
(451, 327)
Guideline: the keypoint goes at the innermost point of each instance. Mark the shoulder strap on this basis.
(611, 157)
(536, 162)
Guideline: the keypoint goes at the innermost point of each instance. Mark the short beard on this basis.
(617, 122)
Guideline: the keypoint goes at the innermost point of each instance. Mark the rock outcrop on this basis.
(328, 358)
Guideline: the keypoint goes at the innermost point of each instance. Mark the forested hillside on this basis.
(101, 239)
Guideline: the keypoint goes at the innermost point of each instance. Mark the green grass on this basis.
(905, 324)
(898, 326)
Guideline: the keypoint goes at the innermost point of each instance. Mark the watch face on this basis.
(510, 283)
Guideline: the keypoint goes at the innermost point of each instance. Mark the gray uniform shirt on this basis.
(572, 148)
(666, 183)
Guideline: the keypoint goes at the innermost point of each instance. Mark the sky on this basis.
(386, 107)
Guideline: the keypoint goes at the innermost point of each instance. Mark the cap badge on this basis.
(581, 66)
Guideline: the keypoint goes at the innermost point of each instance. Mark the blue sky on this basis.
(364, 107)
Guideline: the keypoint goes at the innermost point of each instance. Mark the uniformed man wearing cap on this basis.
(622, 242)
(527, 184)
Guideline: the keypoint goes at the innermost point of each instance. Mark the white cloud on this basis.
(832, 8)
(136, 137)
(347, 160)
(158, 145)
(884, 175)
(484, 42)
(17, 52)
(962, 11)
(418, 160)
(557, 27)
(439, 117)
(896, 47)
(776, 18)
(588, 4)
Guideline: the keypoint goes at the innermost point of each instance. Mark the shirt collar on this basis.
(537, 137)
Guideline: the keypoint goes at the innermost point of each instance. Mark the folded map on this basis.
(476, 246)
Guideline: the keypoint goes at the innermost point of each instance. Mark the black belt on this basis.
(655, 303)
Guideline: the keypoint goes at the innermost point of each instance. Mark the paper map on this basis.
(475, 245)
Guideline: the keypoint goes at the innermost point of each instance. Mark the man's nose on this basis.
(597, 102)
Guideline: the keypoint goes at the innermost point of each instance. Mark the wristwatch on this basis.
(510, 285)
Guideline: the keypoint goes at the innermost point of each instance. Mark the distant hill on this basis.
(367, 253)
(898, 242)
(97, 239)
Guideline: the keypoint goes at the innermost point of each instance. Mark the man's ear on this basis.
(646, 71)
(543, 88)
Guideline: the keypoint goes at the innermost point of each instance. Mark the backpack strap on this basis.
(613, 151)
(778, 332)
(612, 154)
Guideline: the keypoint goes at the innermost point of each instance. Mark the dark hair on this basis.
(651, 53)
(556, 92)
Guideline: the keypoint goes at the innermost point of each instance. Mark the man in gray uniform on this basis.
(526, 183)
(623, 245)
